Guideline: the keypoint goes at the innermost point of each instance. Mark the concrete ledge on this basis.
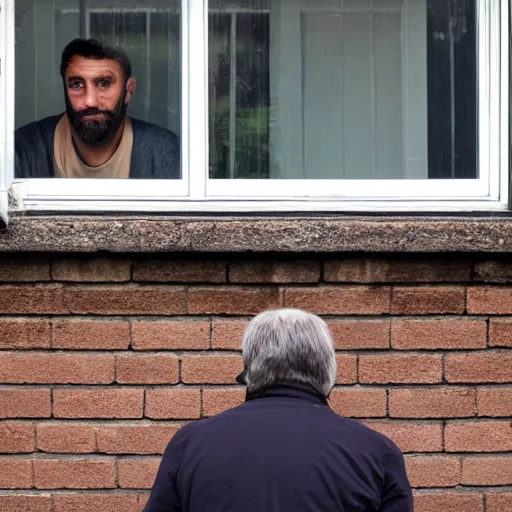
(147, 233)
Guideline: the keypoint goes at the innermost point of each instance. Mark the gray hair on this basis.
(288, 346)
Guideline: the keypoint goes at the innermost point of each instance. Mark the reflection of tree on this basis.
(239, 79)
(251, 141)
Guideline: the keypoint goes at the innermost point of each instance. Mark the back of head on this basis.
(93, 49)
(288, 347)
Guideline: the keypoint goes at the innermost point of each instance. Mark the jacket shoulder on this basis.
(371, 437)
(143, 129)
(34, 148)
(37, 128)
(156, 151)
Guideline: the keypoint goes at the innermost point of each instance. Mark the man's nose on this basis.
(91, 97)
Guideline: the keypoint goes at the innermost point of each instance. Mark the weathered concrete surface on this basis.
(140, 233)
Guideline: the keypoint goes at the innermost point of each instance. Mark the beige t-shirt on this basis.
(68, 163)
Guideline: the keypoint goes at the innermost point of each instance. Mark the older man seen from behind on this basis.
(284, 449)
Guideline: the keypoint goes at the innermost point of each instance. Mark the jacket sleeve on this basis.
(165, 496)
(397, 495)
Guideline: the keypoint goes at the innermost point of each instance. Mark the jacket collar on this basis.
(298, 391)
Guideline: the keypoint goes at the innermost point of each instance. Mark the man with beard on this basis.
(95, 138)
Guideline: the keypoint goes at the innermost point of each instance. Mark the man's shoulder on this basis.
(152, 131)
(156, 151)
(361, 432)
(41, 127)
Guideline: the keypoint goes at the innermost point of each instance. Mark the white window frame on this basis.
(195, 192)
(6, 103)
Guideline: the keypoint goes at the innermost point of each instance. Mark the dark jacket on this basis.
(155, 151)
(284, 451)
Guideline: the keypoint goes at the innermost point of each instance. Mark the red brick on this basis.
(178, 403)
(66, 438)
(500, 332)
(143, 499)
(17, 437)
(91, 334)
(346, 369)
(489, 300)
(494, 401)
(26, 503)
(487, 470)
(478, 436)
(96, 502)
(400, 368)
(25, 403)
(147, 369)
(180, 271)
(498, 502)
(138, 473)
(258, 271)
(98, 403)
(24, 333)
(411, 436)
(438, 334)
(479, 367)
(356, 270)
(171, 335)
(433, 471)
(30, 299)
(217, 400)
(340, 300)
(228, 334)
(56, 368)
(359, 334)
(90, 473)
(232, 300)
(427, 300)
(140, 439)
(376, 270)
(438, 402)
(449, 502)
(24, 269)
(210, 369)
(16, 473)
(430, 270)
(93, 270)
(127, 300)
(492, 271)
(359, 402)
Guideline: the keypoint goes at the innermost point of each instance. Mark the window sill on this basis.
(273, 233)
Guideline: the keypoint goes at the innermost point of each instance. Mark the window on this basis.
(284, 104)
(368, 89)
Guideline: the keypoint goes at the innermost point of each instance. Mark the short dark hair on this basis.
(94, 49)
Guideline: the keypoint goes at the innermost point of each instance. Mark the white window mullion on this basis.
(493, 34)
(500, 185)
(195, 94)
(6, 103)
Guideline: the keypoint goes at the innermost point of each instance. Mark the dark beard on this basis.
(96, 132)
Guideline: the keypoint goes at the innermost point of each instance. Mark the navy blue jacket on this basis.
(155, 151)
(283, 451)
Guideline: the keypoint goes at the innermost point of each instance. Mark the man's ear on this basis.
(131, 87)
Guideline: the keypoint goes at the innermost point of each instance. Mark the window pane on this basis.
(343, 89)
(149, 34)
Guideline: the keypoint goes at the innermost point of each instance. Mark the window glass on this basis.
(342, 89)
(96, 141)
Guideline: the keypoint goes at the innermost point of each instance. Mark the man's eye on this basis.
(75, 85)
(105, 83)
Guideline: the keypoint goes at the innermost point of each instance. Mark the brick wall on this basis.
(102, 360)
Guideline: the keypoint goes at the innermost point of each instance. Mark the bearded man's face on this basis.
(95, 94)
